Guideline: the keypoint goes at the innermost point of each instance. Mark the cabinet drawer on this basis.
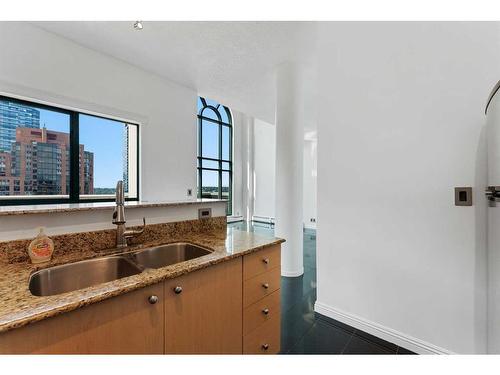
(265, 339)
(260, 286)
(261, 312)
(261, 261)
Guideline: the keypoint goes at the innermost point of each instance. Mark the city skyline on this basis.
(110, 160)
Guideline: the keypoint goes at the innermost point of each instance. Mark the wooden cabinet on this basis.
(263, 340)
(261, 311)
(261, 301)
(261, 286)
(203, 311)
(229, 308)
(261, 261)
(127, 324)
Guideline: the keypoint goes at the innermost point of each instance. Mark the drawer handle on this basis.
(265, 346)
(265, 286)
(265, 311)
(152, 299)
(178, 290)
(266, 260)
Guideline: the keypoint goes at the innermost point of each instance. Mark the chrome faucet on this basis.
(122, 233)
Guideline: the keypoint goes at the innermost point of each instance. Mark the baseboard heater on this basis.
(263, 219)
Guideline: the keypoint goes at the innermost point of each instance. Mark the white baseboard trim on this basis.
(292, 274)
(385, 333)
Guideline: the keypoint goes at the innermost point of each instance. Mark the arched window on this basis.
(215, 151)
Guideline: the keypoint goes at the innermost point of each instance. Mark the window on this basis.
(215, 139)
(111, 156)
(55, 155)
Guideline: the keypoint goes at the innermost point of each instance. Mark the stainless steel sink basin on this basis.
(79, 275)
(165, 255)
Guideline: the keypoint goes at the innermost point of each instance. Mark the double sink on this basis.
(79, 275)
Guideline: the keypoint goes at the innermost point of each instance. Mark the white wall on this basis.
(310, 171)
(238, 163)
(492, 134)
(264, 164)
(38, 64)
(401, 114)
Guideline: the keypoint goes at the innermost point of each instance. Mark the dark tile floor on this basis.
(302, 330)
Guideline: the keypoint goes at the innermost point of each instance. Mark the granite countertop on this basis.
(70, 207)
(19, 308)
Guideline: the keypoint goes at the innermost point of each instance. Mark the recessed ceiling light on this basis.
(138, 25)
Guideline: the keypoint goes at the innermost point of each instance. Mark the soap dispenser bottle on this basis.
(41, 248)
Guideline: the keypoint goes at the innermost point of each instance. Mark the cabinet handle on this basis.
(265, 346)
(266, 260)
(265, 311)
(152, 299)
(178, 290)
(265, 286)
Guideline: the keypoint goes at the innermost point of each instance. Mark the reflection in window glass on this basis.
(109, 155)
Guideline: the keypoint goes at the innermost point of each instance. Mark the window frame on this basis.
(200, 158)
(74, 142)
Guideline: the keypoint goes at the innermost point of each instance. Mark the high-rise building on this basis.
(38, 164)
(12, 116)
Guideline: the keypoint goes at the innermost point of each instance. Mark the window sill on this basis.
(72, 207)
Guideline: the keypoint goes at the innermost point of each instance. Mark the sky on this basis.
(101, 136)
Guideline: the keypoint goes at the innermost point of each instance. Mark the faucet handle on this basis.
(135, 232)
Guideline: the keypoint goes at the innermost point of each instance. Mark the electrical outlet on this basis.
(313, 220)
(204, 213)
(189, 192)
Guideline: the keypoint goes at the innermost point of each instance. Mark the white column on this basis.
(290, 115)
(248, 166)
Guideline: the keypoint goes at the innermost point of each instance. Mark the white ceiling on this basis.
(232, 62)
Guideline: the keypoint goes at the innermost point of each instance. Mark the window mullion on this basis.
(220, 160)
(74, 149)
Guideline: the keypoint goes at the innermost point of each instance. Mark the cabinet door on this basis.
(127, 324)
(206, 316)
